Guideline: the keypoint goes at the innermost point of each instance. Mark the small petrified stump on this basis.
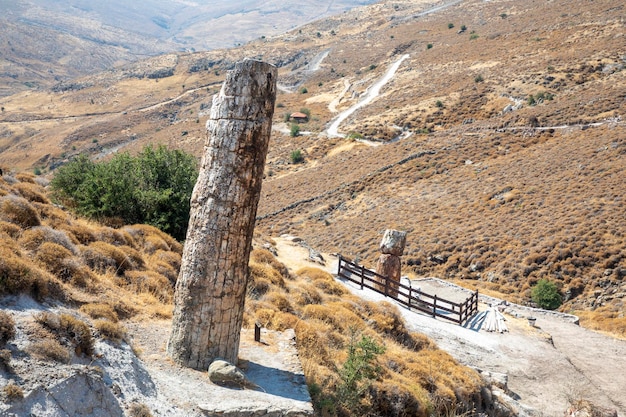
(389, 264)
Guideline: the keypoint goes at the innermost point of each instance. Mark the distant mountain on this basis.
(45, 41)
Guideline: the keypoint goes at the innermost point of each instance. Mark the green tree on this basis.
(546, 295)
(358, 372)
(154, 188)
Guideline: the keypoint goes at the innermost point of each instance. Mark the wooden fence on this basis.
(412, 298)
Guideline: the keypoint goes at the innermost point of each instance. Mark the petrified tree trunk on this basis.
(389, 264)
(211, 287)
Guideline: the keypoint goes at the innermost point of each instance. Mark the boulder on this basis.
(393, 242)
(225, 373)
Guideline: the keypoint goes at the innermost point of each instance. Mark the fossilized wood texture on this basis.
(211, 286)
(389, 266)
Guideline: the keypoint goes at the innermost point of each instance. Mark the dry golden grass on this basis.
(13, 391)
(417, 375)
(7, 328)
(32, 192)
(49, 349)
(19, 211)
(100, 311)
(152, 283)
(110, 330)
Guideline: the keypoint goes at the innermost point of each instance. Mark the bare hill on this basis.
(501, 139)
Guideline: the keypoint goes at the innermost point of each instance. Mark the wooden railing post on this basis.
(435, 306)
(410, 296)
(475, 309)
(362, 275)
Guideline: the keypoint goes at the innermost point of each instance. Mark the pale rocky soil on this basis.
(543, 366)
(139, 372)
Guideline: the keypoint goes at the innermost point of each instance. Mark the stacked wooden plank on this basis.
(495, 321)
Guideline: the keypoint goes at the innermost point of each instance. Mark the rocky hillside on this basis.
(85, 312)
(498, 143)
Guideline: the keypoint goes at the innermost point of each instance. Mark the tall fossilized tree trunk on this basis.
(211, 287)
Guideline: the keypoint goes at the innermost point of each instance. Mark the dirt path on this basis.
(371, 94)
(545, 365)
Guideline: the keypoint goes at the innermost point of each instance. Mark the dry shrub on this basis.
(114, 236)
(333, 314)
(305, 294)
(25, 177)
(71, 328)
(19, 211)
(136, 258)
(49, 349)
(153, 307)
(123, 309)
(312, 344)
(19, 276)
(10, 229)
(385, 318)
(257, 287)
(109, 330)
(264, 256)
(390, 398)
(173, 259)
(100, 311)
(52, 256)
(52, 215)
(322, 280)
(32, 192)
(152, 283)
(139, 410)
(278, 300)
(102, 256)
(604, 319)
(13, 391)
(152, 239)
(7, 328)
(78, 332)
(5, 360)
(164, 269)
(266, 272)
(31, 239)
(81, 231)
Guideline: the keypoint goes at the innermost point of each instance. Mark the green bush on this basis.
(296, 156)
(450, 25)
(152, 188)
(546, 295)
(294, 130)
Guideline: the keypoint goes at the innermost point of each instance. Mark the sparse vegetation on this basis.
(294, 130)
(429, 46)
(450, 25)
(139, 410)
(13, 391)
(7, 328)
(296, 156)
(479, 79)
